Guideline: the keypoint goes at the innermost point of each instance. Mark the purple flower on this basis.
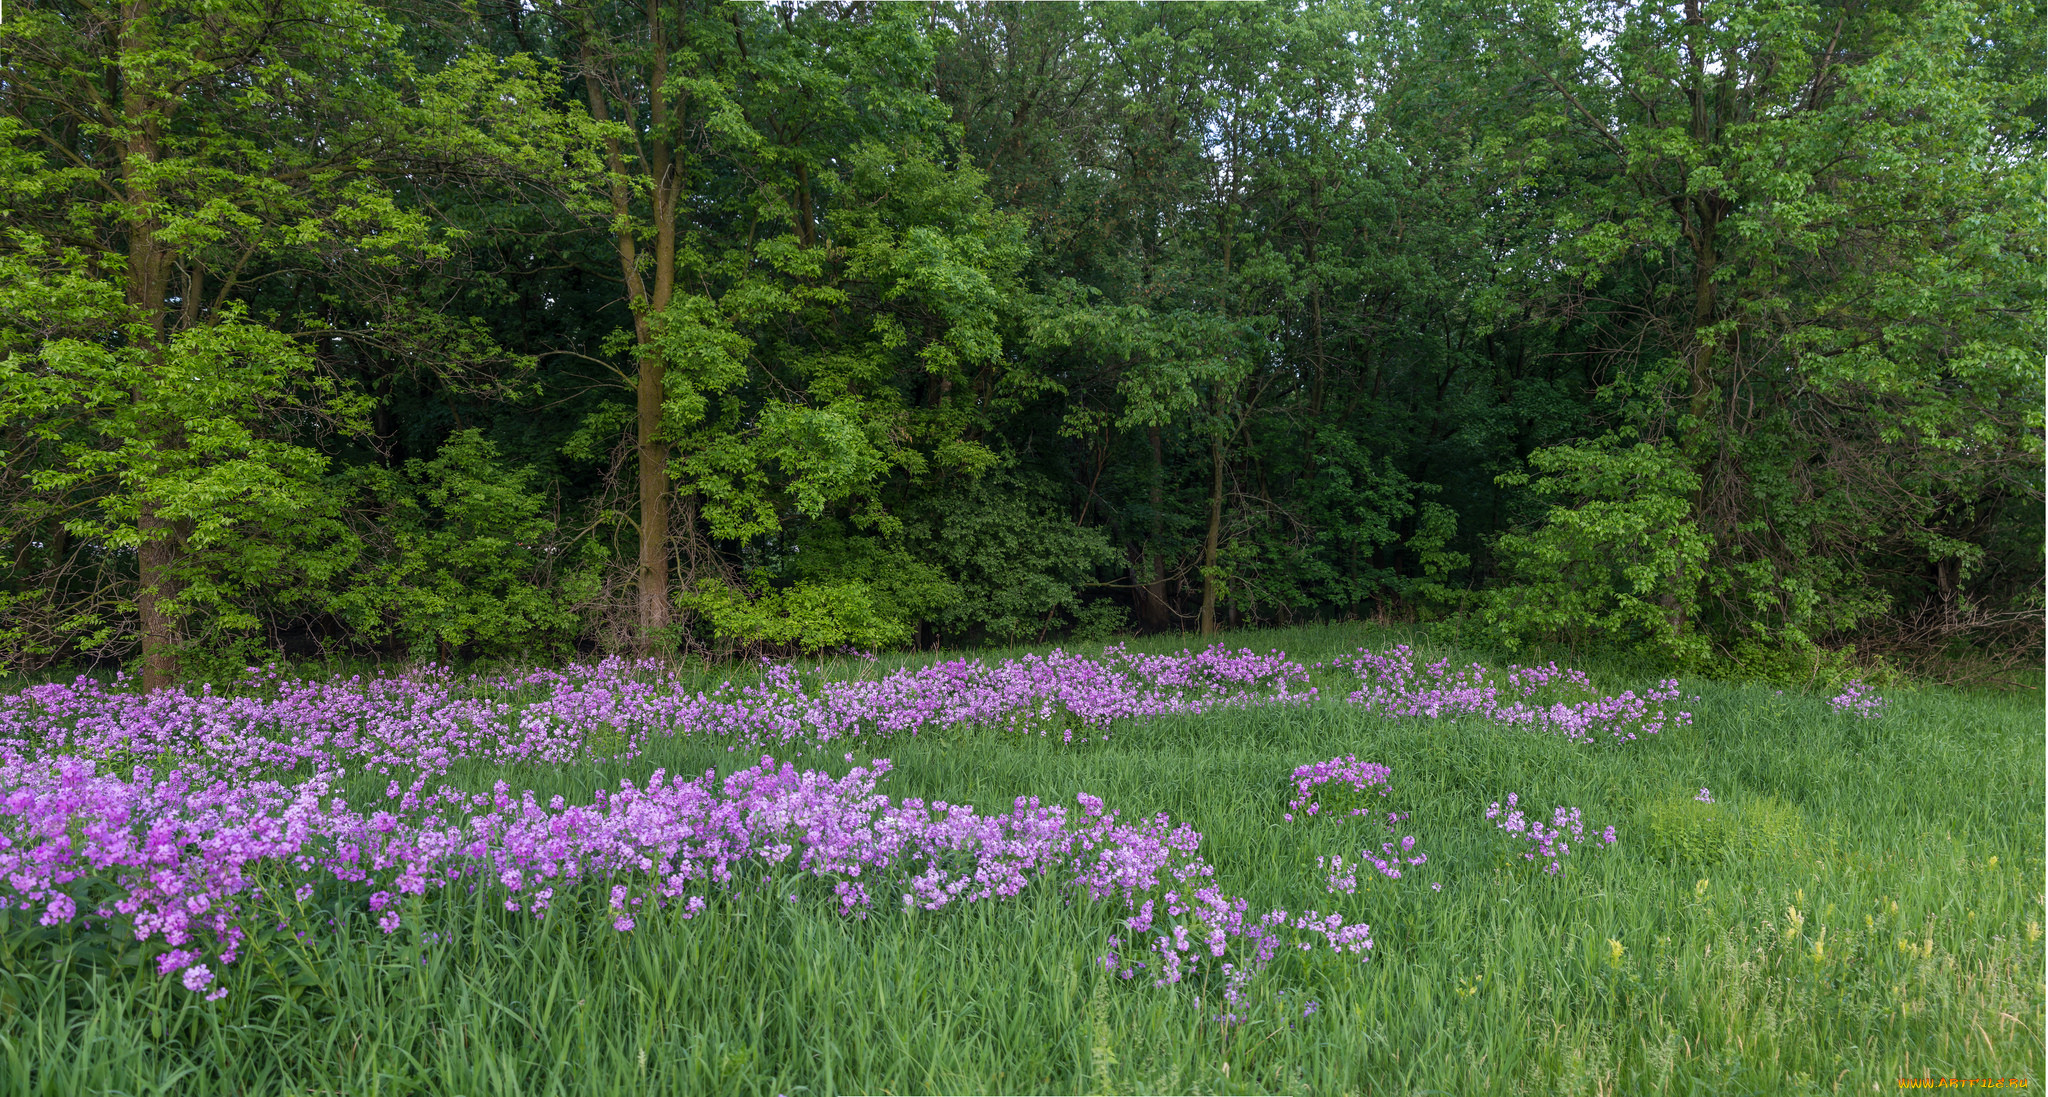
(1345, 774)
(175, 960)
(239, 805)
(1542, 698)
(1856, 699)
(1551, 844)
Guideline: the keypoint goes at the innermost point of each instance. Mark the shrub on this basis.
(1705, 833)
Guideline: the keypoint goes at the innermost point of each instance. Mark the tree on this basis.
(1818, 226)
(160, 152)
(811, 282)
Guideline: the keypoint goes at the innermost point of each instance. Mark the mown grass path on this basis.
(1862, 902)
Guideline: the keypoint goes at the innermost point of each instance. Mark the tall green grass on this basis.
(1910, 847)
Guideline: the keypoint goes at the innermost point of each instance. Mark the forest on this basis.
(1708, 331)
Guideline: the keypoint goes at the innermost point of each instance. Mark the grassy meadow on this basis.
(1863, 902)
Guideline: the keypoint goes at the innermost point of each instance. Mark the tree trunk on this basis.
(651, 583)
(149, 268)
(159, 629)
(1155, 600)
(1700, 215)
(663, 168)
(1701, 380)
(1210, 543)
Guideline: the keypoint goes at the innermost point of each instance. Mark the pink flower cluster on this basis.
(1390, 861)
(1347, 782)
(1857, 699)
(1545, 698)
(423, 722)
(195, 818)
(1350, 775)
(1206, 921)
(1545, 843)
(194, 866)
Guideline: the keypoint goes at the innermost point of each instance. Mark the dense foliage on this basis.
(1707, 330)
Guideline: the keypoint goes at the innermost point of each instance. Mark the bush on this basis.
(459, 555)
(1617, 561)
(1018, 561)
(1705, 834)
(806, 616)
